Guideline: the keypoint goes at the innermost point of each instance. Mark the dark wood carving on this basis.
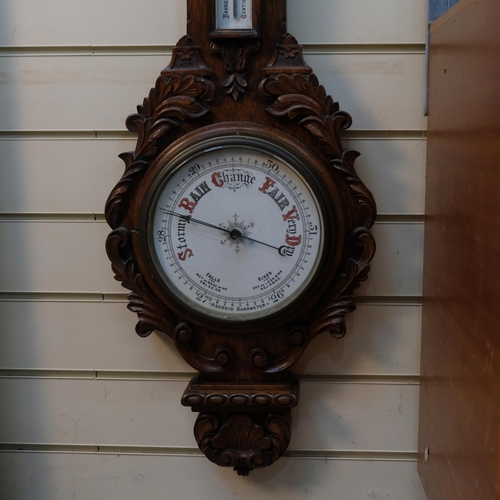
(178, 96)
(287, 58)
(235, 55)
(222, 358)
(203, 395)
(152, 315)
(332, 318)
(244, 441)
(187, 60)
(296, 94)
(244, 391)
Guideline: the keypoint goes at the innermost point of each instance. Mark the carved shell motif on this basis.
(241, 442)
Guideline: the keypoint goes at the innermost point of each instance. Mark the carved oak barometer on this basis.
(240, 225)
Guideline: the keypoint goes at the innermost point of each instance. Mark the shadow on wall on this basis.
(20, 401)
(15, 248)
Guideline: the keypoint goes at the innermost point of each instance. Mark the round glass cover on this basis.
(235, 230)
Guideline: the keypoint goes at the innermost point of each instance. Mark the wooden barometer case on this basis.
(240, 226)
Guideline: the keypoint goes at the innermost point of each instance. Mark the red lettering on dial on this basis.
(187, 254)
(268, 184)
(217, 179)
(293, 214)
(188, 205)
(293, 241)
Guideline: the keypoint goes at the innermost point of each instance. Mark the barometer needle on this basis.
(190, 219)
(232, 232)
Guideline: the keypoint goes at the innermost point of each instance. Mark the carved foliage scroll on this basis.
(181, 93)
(235, 55)
(174, 99)
(152, 315)
(223, 357)
(302, 98)
(295, 94)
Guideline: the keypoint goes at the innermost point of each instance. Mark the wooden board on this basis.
(459, 417)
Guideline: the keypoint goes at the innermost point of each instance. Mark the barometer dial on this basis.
(235, 229)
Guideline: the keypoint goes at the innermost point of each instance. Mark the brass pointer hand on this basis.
(234, 234)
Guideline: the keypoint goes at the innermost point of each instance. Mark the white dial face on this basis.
(236, 232)
(234, 14)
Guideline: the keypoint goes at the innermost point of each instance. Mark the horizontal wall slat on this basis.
(70, 257)
(381, 91)
(330, 416)
(77, 176)
(55, 217)
(128, 50)
(394, 170)
(194, 451)
(149, 22)
(123, 375)
(59, 176)
(396, 268)
(60, 476)
(89, 21)
(381, 340)
(358, 21)
(356, 417)
(62, 257)
(123, 134)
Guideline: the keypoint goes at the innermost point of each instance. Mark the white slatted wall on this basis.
(89, 410)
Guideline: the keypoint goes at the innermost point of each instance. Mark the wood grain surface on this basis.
(459, 408)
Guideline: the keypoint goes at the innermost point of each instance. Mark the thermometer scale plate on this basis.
(234, 15)
(235, 18)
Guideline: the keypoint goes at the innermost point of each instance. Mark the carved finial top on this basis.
(186, 58)
(287, 58)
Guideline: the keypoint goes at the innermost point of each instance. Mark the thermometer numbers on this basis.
(234, 15)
